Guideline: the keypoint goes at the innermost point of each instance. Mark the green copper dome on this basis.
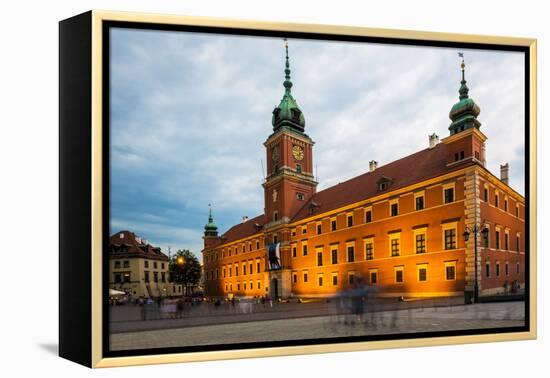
(210, 229)
(288, 113)
(464, 113)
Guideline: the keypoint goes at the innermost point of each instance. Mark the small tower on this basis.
(210, 237)
(464, 113)
(466, 142)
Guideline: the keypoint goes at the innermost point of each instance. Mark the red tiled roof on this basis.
(422, 165)
(136, 246)
(243, 230)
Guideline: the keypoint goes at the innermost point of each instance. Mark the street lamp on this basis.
(180, 260)
(466, 235)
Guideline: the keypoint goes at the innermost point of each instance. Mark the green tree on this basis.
(185, 269)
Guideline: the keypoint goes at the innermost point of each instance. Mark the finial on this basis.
(287, 83)
(463, 91)
(210, 213)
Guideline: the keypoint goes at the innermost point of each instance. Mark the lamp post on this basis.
(180, 261)
(477, 228)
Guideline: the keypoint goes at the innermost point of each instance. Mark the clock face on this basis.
(275, 154)
(297, 152)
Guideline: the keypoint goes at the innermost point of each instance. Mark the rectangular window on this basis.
(496, 200)
(162, 276)
(420, 240)
(369, 251)
(294, 251)
(422, 273)
(334, 256)
(450, 271)
(155, 266)
(293, 232)
(506, 268)
(351, 253)
(305, 277)
(506, 241)
(319, 229)
(333, 224)
(394, 209)
(126, 264)
(304, 229)
(319, 258)
(517, 243)
(485, 238)
(497, 239)
(398, 274)
(257, 245)
(146, 264)
(335, 280)
(517, 211)
(258, 266)
(127, 277)
(146, 278)
(238, 286)
(505, 205)
(118, 278)
(304, 250)
(294, 277)
(320, 280)
(350, 220)
(244, 269)
(236, 270)
(394, 247)
(487, 269)
(517, 268)
(258, 284)
(117, 264)
(223, 272)
(368, 216)
(486, 195)
(230, 272)
(450, 238)
(497, 269)
(419, 203)
(156, 276)
(449, 195)
(373, 275)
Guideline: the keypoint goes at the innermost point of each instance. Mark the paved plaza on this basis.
(250, 322)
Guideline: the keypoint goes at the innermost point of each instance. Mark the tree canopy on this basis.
(185, 268)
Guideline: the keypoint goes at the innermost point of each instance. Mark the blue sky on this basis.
(189, 114)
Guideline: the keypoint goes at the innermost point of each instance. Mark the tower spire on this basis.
(463, 91)
(288, 114)
(287, 83)
(210, 229)
(464, 113)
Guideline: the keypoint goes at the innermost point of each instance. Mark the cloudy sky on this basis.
(189, 114)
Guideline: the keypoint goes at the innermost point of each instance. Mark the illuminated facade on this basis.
(434, 223)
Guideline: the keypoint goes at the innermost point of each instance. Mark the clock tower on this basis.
(290, 182)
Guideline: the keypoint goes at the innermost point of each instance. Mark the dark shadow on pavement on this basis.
(52, 348)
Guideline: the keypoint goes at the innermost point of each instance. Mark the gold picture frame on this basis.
(81, 276)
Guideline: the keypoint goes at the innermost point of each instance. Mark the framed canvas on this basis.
(234, 189)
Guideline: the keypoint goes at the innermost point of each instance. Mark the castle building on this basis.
(138, 268)
(434, 223)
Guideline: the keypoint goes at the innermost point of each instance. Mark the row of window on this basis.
(420, 241)
(126, 277)
(448, 197)
(234, 269)
(245, 286)
(497, 268)
(234, 250)
(126, 264)
(486, 240)
(373, 275)
(496, 200)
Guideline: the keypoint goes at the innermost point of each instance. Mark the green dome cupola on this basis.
(464, 113)
(288, 114)
(210, 229)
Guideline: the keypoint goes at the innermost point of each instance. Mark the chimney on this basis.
(434, 139)
(504, 169)
(245, 218)
(373, 164)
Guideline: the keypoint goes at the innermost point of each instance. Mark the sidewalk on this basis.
(478, 316)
